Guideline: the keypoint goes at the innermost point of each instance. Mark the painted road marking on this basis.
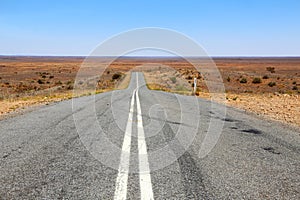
(145, 177)
(122, 179)
(144, 170)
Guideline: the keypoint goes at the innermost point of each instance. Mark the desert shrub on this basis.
(243, 80)
(189, 77)
(295, 87)
(116, 76)
(271, 84)
(44, 76)
(256, 80)
(70, 87)
(40, 81)
(173, 79)
(58, 82)
(271, 69)
(265, 77)
(51, 76)
(228, 79)
(294, 83)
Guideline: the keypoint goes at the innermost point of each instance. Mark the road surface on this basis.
(45, 155)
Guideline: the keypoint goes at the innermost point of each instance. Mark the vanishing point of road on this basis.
(42, 156)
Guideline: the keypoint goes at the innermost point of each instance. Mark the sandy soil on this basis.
(267, 86)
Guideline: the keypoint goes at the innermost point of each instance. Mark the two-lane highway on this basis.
(135, 144)
(144, 171)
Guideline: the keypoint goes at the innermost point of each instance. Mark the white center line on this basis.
(122, 179)
(144, 170)
(145, 177)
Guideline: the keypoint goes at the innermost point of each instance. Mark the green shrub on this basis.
(265, 77)
(228, 79)
(173, 79)
(295, 88)
(256, 80)
(243, 80)
(271, 84)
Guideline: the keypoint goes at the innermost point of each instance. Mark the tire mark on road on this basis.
(191, 174)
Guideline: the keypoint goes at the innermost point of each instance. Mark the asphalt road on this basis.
(143, 144)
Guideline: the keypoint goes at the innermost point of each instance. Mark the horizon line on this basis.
(154, 56)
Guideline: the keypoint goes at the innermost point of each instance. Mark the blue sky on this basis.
(222, 27)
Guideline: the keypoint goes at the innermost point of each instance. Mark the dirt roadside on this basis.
(268, 87)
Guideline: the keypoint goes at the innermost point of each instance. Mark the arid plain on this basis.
(269, 87)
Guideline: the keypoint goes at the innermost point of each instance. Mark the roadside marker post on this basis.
(195, 85)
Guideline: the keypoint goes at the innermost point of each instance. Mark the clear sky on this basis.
(222, 27)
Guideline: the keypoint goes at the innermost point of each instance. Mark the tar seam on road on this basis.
(144, 170)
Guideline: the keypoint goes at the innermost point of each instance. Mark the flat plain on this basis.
(265, 86)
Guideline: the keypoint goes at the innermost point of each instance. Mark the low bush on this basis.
(189, 77)
(243, 80)
(40, 81)
(256, 80)
(116, 76)
(265, 77)
(271, 84)
(173, 79)
(271, 69)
